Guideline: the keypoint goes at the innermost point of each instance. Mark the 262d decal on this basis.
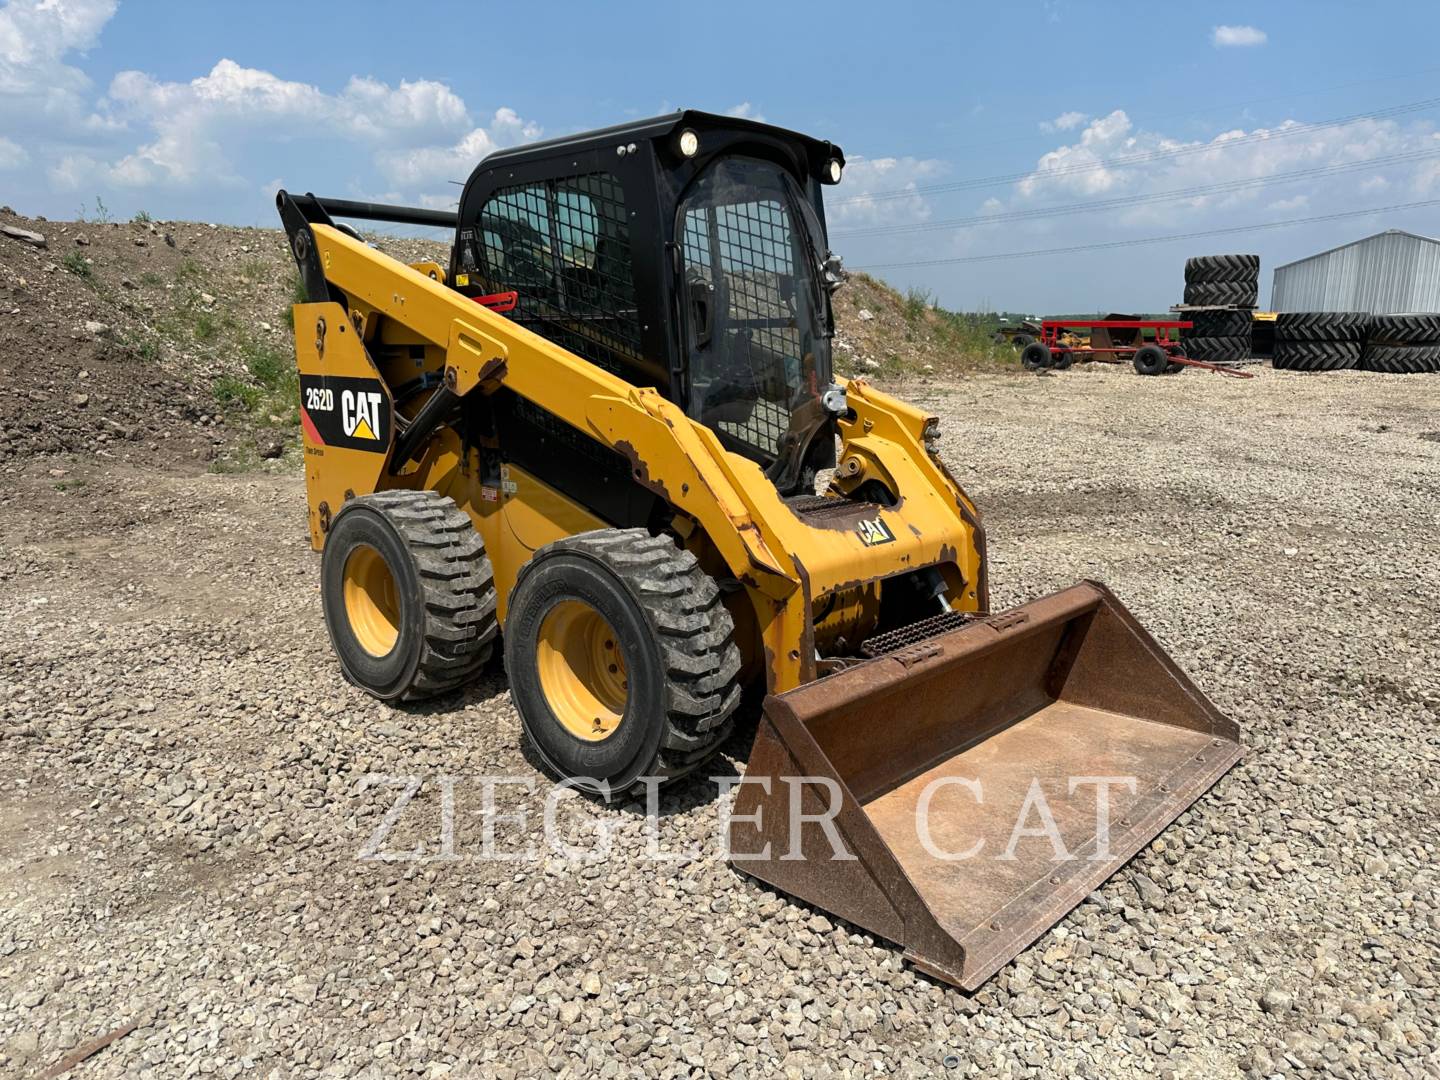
(353, 413)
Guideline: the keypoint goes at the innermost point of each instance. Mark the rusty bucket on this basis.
(966, 790)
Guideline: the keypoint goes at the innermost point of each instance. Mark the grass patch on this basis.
(917, 302)
(237, 459)
(255, 271)
(268, 394)
(189, 272)
(297, 296)
(204, 325)
(78, 265)
(235, 394)
(151, 278)
(914, 335)
(142, 217)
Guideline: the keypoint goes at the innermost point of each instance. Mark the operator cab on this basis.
(687, 253)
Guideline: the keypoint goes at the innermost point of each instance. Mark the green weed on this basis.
(78, 265)
(917, 302)
(236, 394)
(205, 326)
(297, 296)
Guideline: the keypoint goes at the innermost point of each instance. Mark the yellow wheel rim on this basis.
(582, 670)
(371, 603)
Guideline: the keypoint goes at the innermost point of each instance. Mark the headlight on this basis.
(833, 170)
(689, 143)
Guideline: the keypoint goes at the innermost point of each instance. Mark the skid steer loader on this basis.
(607, 432)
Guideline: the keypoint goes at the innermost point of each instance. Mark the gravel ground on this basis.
(181, 808)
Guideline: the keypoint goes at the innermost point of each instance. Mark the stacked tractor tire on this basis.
(1221, 292)
(1319, 340)
(1344, 340)
(1402, 344)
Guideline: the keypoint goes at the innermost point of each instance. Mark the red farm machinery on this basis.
(1114, 341)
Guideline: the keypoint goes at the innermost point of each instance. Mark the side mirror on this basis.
(702, 311)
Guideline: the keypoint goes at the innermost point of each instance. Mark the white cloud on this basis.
(1085, 169)
(38, 90)
(745, 111)
(73, 171)
(434, 165)
(12, 154)
(1066, 121)
(420, 133)
(852, 204)
(420, 111)
(1233, 37)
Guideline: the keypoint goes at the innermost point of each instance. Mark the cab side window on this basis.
(564, 246)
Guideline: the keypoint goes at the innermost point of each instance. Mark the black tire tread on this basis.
(1221, 323)
(1321, 326)
(696, 636)
(1401, 359)
(457, 585)
(1241, 294)
(1217, 350)
(1218, 268)
(1316, 355)
(1413, 329)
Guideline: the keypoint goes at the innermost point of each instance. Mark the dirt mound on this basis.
(880, 333)
(169, 341)
(146, 338)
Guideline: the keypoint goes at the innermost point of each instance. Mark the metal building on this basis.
(1390, 272)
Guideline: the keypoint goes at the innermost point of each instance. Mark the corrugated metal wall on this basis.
(1383, 274)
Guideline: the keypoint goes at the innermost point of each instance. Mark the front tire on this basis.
(622, 659)
(1035, 356)
(1150, 360)
(408, 594)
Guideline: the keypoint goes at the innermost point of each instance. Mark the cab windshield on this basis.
(757, 316)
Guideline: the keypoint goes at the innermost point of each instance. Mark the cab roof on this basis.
(656, 127)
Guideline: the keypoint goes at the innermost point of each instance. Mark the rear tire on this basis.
(1150, 360)
(1035, 356)
(622, 659)
(408, 594)
(1062, 359)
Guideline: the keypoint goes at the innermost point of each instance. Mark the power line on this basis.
(1138, 159)
(997, 257)
(1126, 201)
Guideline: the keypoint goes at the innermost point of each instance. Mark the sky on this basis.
(975, 134)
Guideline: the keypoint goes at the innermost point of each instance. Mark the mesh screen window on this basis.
(564, 247)
(739, 239)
